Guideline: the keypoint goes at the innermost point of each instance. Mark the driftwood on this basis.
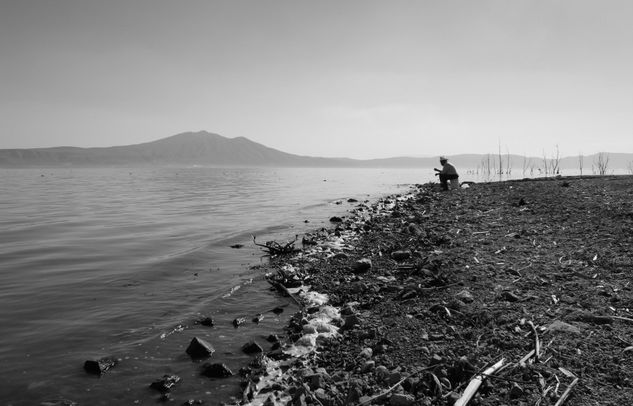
(476, 382)
(285, 290)
(275, 248)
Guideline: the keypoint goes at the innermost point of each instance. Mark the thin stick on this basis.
(621, 318)
(285, 290)
(474, 384)
(383, 393)
(537, 344)
(566, 393)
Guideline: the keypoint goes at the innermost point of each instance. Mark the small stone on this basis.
(252, 348)
(205, 321)
(273, 338)
(516, 391)
(558, 326)
(216, 370)
(58, 402)
(381, 373)
(400, 255)
(259, 317)
(362, 265)
(350, 322)
(510, 297)
(336, 219)
(278, 310)
(165, 383)
(393, 378)
(199, 348)
(368, 366)
(401, 399)
(239, 321)
(99, 366)
(465, 296)
(366, 353)
(340, 255)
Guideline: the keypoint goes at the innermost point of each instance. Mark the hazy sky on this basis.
(362, 79)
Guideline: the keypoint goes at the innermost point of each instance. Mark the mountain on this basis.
(199, 148)
(203, 148)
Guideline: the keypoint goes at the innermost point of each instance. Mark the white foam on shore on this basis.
(321, 324)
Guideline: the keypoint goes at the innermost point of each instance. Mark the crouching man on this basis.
(447, 173)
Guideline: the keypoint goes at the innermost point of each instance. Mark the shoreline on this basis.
(458, 281)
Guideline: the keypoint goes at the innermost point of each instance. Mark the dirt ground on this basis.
(460, 280)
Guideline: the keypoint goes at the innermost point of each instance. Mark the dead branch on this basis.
(275, 248)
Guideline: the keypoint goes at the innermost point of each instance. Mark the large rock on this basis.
(216, 370)
(100, 366)
(199, 348)
(252, 348)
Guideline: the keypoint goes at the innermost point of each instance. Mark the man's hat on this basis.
(443, 158)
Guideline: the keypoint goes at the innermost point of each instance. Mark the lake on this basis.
(122, 261)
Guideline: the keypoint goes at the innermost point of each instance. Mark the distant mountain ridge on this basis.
(204, 148)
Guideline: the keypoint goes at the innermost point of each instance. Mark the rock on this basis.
(400, 255)
(414, 229)
(216, 370)
(381, 373)
(316, 381)
(589, 318)
(340, 255)
(336, 219)
(237, 246)
(366, 353)
(205, 321)
(516, 391)
(558, 326)
(362, 265)
(401, 399)
(465, 296)
(99, 366)
(350, 322)
(252, 348)
(278, 310)
(192, 402)
(199, 348)
(273, 338)
(239, 321)
(368, 366)
(393, 378)
(58, 402)
(165, 383)
(259, 317)
(510, 297)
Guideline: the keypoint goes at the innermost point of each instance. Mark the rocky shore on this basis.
(406, 302)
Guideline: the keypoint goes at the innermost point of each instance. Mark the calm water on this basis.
(121, 262)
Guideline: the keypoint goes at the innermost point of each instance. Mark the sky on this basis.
(355, 78)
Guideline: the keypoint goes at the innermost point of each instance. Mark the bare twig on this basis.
(537, 343)
(474, 384)
(565, 394)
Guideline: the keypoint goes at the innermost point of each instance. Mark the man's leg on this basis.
(444, 181)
